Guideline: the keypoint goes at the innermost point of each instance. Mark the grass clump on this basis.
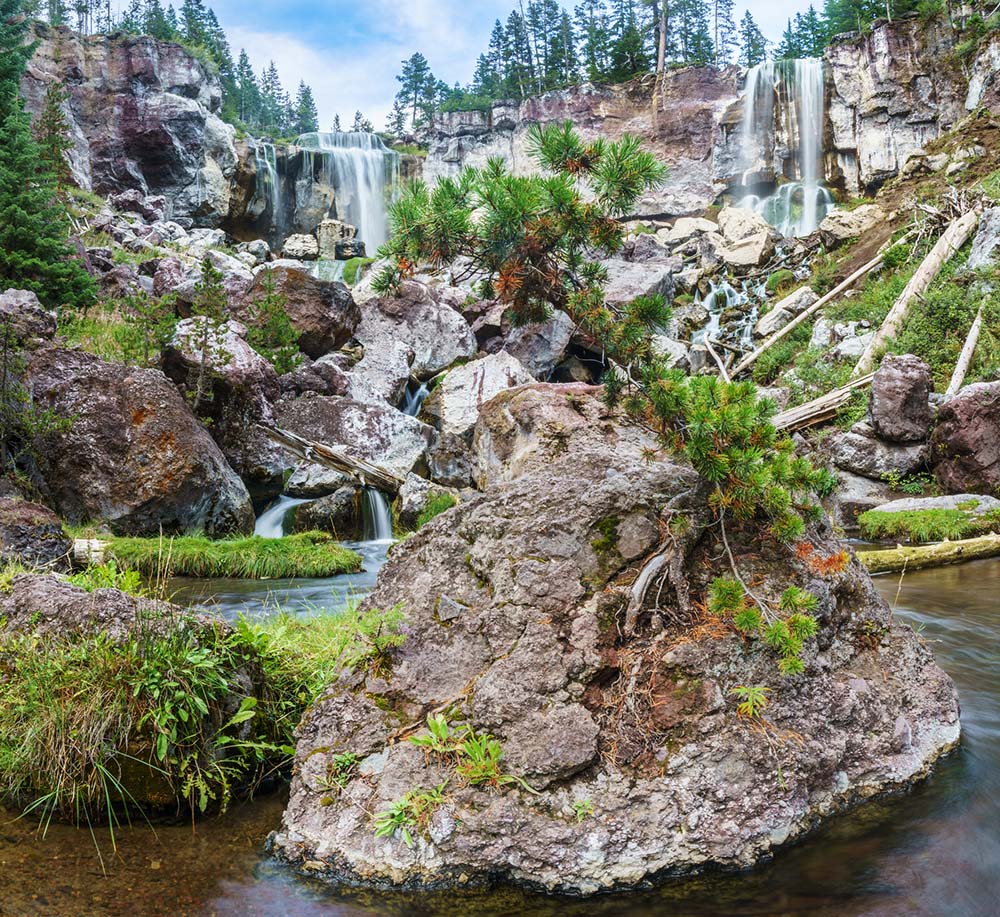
(354, 269)
(308, 555)
(926, 525)
(781, 281)
(435, 506)
(180, 714)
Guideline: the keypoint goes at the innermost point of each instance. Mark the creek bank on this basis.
(514, 603)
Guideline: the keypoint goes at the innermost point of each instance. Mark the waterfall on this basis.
(271, 523)
(364, 175)
(376, 516)
(413, 398)
(786, 97)
(268, 188)
(721, 298)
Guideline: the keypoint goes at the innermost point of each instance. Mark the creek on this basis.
(932, 851)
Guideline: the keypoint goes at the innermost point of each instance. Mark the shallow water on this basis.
(232, 597)
(934, 851)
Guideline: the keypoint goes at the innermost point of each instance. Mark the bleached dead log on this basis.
(365, 472)
(819, 409)
(778, 335)
(88, 551)
(918, 557)
(723, 371)
(965, 357)
(952, 239)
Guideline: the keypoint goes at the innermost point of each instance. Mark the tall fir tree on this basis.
(35, 249)
(52, 134)
(306, 113)
(724, 32)
(753, 44)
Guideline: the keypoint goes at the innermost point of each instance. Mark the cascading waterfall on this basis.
(271, 523)
(364, 174)
(268, 189)
(786, 95)
(413, 398)
(723, 298)
(376, 518)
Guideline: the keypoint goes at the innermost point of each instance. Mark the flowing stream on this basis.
(931, 852)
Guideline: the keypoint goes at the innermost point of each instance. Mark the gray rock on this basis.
(840, 225)
(628, 279)
(301, 247)
(455, 402)
(330, 234)
(338, 513)
(782, 312)
(873, 458)
(526, 574)
(986, 241)
(540, 346)
(32, 535)
(856, 495)
(27, 319)
(437, 334)
(899, 405)
(380, 376)
(974, 504)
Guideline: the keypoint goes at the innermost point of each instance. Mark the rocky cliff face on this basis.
(888, 93)
(681, 130)
(142, 115)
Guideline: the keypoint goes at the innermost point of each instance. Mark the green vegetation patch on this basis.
(781, 281)
(436, 505)
(354, 269)
(925, 525)
(179, 714)
(308, 555)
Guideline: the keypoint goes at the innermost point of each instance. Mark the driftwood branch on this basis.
(841, 287)
(819, 409)
(965, 357)
(718, 360)
(952, 239)
(930, 555)
(365, 472)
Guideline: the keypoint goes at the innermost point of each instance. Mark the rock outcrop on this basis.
(637, 760)
(966, 441)
(142, 115)
(32, 535)
(132, 455)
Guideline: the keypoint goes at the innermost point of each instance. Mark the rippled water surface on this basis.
(934, 852)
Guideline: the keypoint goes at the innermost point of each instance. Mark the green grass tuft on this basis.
(307, 555)
(435, 506)
(926, 525)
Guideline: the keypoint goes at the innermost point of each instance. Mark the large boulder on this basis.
(783, 311)
(381, 375)
(900, 400)
(629, 279)
(323, 312)
(630, 740)
(966, 441)
(28, 320)
(132, 455)
(524, 429)
(240, 387)
(859, 451)
(301, 247)
(540, 346)
(455, 402)
(32, 535)
(840, 225)
(438, 335)
(375, 432)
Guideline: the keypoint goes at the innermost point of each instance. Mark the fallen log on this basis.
(841, 287)
(366, 473)
(919, 557)
(965, 357)
(952, 239)
(819, 409)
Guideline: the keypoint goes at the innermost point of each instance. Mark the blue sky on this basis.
(350, 51)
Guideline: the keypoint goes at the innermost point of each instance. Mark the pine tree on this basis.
(306, 113)
(594, 39)
(194, 22)
(272, 100)
(336, 128)
(207, 339)
(52, 134)
(270, 331)
(753, 44)
(248, 107)
(395, 122)
(694, 38)
(413, 80)
(362, 124)
(629, 54)
(35, 251)
(57, 12)
(724, 32)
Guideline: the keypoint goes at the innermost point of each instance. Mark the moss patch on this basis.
(929, 524)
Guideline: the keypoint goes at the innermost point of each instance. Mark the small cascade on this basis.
(327, 269)
(376, 518)
(364, 174)
(783, 101)
(271, 523)
(732, 314)
(413, 398)
(268, 188)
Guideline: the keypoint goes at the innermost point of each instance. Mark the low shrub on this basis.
(308, 555)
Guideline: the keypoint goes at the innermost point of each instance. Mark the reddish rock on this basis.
(966, 442)
(900, 407)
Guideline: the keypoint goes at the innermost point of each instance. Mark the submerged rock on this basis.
(132, 455)
(638, 762)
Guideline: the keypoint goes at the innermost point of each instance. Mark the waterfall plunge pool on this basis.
(933, 851)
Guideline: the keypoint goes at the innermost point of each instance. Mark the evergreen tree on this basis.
(306, 113)
(724, 32)
(52, 134)
(35, 251)
(194, 22)
(753, 44)
(395, 123)
(336, 128)
(207, 340)
(362, 124)
(694, 36)
(629, 54)
(248, 107)
(594, 39)
(270, 331)
(57, 12)
(272, 101)
(414, 81)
